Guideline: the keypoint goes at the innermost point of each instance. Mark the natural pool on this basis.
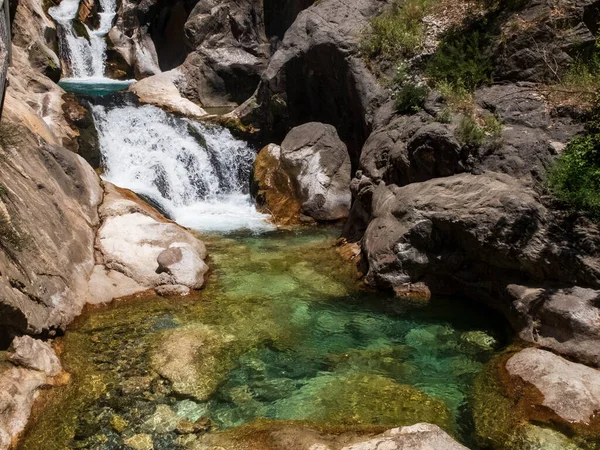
(283, 330)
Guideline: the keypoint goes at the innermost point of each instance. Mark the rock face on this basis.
(43, 285)
(316, 75)
(310, 169)
(569, 390)
(141, 250)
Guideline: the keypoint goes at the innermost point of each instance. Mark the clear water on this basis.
(197, 173)
(283, 332)
(94, 87)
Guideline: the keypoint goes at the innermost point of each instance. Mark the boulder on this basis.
(421, 436)
(570, 390)
(34, 366)
(319, 167)
(316, 74)
(34, 354)
(138, 242)
(161, 90)
(44, 270)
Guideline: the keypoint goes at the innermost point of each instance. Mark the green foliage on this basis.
(3, 190)
(457, 97)
(409, 96)
(462, 60)
(398, 32)
(575, 178)
(444, 116)
(471, 132)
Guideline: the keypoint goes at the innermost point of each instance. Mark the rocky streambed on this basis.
(282, 342)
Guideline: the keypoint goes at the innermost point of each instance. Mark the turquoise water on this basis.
(94, 87)
(282, 331)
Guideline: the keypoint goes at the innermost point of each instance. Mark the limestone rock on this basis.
(188, 358)
(172, 290)
(132, 239)
(319, 166)
(34, 354)
(422, 436)
(570, 390)
(161, 90)
(44, 271)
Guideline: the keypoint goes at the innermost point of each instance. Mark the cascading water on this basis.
(87, 59)
(197, 173)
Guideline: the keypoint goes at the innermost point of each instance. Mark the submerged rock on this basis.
(192, 359)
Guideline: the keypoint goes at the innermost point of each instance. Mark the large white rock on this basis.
(422, 436)
(34, 354)
(571, 390)
(141, 250)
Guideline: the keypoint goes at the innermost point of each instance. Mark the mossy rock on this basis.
(80, 29)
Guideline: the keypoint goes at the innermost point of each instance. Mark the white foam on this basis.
(197, 173)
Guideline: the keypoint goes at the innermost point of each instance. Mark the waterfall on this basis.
(87, 59)
(197, 173)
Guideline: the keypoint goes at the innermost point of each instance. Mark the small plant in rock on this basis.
(409, 96)
(3, 190)
(575, 177)
(444, 116)
(469, 132)
(475, 132)
(457, 97)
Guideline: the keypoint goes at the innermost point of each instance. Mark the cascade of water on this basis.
(87, 59)
(197, 173)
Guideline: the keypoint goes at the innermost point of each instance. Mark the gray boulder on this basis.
(34, 354)
(318, 164)
(569, 390)
(318, 75)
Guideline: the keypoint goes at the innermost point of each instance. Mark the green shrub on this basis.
(444, 116)
(411, 97)
(575, 178)
(456, 96)
(469, 132)
(462, 60)
(474, 134)
(398, 31)
(3, 190)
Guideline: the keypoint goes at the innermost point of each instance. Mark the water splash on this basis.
(86, 58)
(197, 173)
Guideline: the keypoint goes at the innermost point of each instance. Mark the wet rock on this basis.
(569, 390)
(132, 238)
(172, 290)
(533, 437)
(272, 187)
(161, 90)
(422, 436)
(140, 442)
(118, 423)
(34, 354)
